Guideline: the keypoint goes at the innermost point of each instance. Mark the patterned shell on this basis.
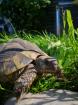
(17, 54)
(12, 61)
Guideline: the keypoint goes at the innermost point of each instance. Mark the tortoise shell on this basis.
(17, 54)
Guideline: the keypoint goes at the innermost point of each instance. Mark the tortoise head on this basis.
(48, 65)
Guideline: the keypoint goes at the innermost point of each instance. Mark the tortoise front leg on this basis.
(25, 80)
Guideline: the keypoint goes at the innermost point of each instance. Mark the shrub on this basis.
(25, 14)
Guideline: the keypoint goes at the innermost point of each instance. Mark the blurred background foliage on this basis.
(24, 14)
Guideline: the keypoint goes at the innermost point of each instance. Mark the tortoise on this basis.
(22, 61)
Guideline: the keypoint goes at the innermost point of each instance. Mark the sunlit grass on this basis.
(64, 49)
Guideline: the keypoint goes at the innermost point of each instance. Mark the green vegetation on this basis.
(25, 14)
(65, 50)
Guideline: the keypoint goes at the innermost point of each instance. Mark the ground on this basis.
(51, 97)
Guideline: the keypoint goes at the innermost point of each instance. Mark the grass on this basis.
(64, 49)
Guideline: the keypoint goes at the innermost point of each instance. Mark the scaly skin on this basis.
(25, 80)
